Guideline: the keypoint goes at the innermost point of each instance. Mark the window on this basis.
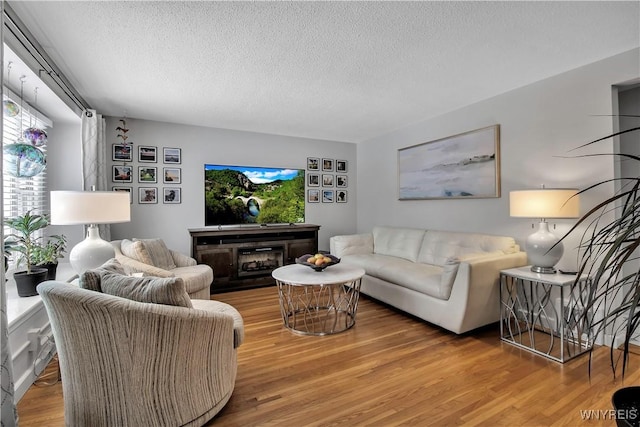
(23, 194)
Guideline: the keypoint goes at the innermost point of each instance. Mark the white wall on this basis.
(540, 124)
(202, 145)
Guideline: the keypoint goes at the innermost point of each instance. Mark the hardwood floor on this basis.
(390, 369)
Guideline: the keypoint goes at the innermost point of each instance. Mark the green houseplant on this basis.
(47, 255)
(27, 245)
(609, 255)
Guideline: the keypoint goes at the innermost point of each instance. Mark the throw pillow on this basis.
(168, 291)
(159, 253)
(135, 250)
(90, 279)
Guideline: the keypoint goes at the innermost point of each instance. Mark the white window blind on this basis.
(23, 194)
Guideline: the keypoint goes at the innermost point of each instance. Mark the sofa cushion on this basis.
(352, 244)
(168, 291)
(398, 242)
(135, 250)
(158, 253)
(423, 278)
(439, 246)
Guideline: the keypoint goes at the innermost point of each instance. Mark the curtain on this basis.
(8, 411)
(94, 158)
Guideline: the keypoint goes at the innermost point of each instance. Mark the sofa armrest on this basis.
(182, 260)
(221, 307)
(477, 288)
(351, 244)
(133, 266)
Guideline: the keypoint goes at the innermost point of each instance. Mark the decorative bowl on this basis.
(303, 261)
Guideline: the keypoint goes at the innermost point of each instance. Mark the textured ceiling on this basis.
(345, 71)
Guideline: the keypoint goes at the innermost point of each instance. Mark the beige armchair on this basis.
(127, 363)
(152, 258)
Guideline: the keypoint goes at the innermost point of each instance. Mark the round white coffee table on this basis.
(318, 302)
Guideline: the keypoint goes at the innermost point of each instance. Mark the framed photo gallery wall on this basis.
(156, 170)
(327, 180)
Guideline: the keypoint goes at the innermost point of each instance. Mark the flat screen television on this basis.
(253, 195)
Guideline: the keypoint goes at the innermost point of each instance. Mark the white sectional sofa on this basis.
(446, 278)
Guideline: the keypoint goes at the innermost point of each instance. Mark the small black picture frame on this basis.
(147, 154)
(342, 181)
(313, 180)
(341, 196)
(121, 153)
(341, 166)
(172, 195)
(148, 174)
(172, 176)
(313, 163)
(121, 173)
(327, 196)
(313, 196)
(147, 195)
(172, 155)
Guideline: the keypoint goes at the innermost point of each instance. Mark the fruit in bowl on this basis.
(318, 261)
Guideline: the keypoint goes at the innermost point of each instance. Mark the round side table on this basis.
(318, 302)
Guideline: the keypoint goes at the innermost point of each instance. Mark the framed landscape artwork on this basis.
(172, 155)
(172, 176)
(463, 166)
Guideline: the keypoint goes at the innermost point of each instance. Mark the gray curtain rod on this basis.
(20, 38)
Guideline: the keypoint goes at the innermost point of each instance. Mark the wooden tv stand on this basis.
(242, 257)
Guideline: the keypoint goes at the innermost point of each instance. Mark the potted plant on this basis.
(24, 242)
(47, 255)
(608, 254)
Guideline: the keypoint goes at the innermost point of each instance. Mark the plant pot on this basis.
(51, 267)
(26, 282)
(626, 402)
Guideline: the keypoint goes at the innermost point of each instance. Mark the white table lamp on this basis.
(90, 208)
(543, 248)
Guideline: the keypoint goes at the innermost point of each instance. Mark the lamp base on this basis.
(91, 253)
(543, 270)
(544, 250)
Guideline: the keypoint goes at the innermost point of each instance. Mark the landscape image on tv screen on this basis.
(253, 195)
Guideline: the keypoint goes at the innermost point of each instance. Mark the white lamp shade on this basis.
(89, 207)
(545, 203)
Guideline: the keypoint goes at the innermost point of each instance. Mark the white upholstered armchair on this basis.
(152, 258)
(128, 363)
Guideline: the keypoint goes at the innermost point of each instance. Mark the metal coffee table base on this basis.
(319, 309)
